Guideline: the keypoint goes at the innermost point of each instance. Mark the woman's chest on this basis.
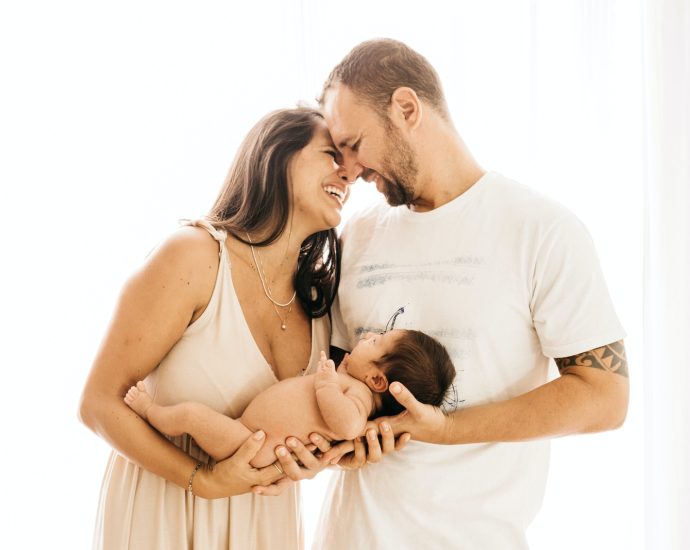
(282, 335)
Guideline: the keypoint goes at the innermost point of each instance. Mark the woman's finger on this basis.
(249, 448)
(337, 451)
(268, 474)
(304, 455)
(289, 464)
(322, 444)
(272, 490)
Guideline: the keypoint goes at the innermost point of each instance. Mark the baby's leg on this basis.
(217, 434)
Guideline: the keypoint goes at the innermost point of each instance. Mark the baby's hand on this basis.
(325, 373)
(326, 365)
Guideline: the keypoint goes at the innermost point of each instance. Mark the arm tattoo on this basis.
(610, 357)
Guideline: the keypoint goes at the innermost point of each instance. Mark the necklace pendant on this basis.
(283, 326)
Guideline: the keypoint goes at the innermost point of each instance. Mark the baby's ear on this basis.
(377, 381)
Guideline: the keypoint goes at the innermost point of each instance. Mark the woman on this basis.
(222, 309)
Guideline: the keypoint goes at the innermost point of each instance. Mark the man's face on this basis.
(372, 147)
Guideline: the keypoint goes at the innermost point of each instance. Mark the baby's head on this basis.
(410, 357)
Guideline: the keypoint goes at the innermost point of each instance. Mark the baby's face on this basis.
(372, 347)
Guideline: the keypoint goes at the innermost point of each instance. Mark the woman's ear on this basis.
(377, 381)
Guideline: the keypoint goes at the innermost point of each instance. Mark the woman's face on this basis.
(318, 183)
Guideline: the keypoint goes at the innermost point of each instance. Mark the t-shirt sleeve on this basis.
(571, 307)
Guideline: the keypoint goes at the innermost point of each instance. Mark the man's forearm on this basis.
(582, 400)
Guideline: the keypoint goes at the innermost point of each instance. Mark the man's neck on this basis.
(447, 172)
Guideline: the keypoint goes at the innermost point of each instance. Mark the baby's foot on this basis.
(139, 399)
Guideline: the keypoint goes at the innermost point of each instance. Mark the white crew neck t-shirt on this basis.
(504, 278)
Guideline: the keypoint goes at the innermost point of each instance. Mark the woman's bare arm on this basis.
(154, 309)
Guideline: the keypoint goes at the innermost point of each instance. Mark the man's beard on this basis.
(400, 169)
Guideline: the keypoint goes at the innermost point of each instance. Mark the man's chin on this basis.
(393, 201)
(393, 194)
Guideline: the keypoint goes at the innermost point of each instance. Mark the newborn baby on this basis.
(335, 404)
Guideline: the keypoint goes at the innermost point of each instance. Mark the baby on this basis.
(335, 404)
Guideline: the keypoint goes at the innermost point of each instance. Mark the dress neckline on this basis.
(225, 257)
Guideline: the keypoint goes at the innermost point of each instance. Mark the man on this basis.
(504, 277)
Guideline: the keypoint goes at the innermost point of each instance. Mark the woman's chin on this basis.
(334, 219)
(330, 221)
(323, 220)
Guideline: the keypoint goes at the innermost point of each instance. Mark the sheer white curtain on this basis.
(118, 119)
(667, 272)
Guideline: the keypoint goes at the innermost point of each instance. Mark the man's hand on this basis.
(423, 422)
(296, 462)
(366, 449)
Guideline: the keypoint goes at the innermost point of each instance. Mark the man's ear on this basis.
(406, 107)
(377, 381)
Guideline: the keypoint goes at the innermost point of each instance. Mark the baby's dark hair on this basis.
(422, 365)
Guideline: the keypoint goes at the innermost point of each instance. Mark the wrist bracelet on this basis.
(191, 477)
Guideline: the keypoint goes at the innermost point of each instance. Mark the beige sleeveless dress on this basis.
(215, 362)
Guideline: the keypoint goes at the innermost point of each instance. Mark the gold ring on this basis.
(279, 468)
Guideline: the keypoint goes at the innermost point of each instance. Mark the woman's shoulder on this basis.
(190, 243)
(188, 247)
(188, 256)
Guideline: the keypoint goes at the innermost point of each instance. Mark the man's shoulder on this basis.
(510, 190)
(523, 201)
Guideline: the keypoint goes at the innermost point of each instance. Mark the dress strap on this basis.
(219, 234)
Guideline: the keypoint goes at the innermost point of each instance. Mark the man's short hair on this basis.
(374, 69)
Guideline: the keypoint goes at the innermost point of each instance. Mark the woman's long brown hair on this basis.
(255, 198)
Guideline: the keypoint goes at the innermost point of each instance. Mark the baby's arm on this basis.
(217, 434)
(346, 412)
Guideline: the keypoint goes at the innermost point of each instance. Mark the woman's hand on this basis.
(236, 476)
(351, 455)
(298, 461)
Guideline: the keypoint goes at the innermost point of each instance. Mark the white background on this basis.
(117, 119)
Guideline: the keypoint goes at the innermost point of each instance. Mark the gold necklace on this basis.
(283, 322)
(267, 289)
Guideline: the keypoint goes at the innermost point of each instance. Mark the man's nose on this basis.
(351, 169)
